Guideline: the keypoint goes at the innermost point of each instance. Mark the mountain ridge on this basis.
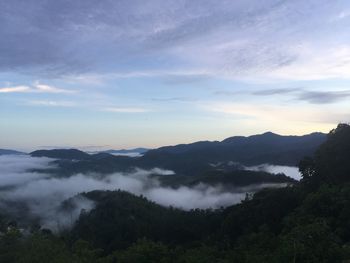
(198, 157)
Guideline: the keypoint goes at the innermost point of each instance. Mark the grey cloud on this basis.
(301, 94)
(269, 92)
(323, 97)
(263, 92)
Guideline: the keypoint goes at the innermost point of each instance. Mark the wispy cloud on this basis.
(310, 96)
(227, 92)
(172, 76)
(316, 63)
(125, 110)
(51, 103)
(269, 92)
(323, 97)
(276, 39)
(15, 89)
(35, 88)
(174, 99)
(50, 89)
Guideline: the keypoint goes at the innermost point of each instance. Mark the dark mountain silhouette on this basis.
(199, 157)
(9, 152)
(253, 150)
(68, 154)
(264, 148)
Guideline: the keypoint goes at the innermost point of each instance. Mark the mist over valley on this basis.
(34, 187)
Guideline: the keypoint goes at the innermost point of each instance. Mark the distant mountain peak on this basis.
(269, 133)
(235, 139)
(69, 154)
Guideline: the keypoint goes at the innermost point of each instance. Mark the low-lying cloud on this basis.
(129, 154)
(27, 194)
(16, 169)
(290, 171)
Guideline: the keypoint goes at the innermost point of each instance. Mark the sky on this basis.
(129, 73)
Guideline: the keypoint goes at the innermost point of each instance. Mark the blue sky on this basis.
(127, 73)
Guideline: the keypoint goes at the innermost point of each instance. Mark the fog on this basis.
(25, 193)
(129, 154)
(290, 171)
(15, 169)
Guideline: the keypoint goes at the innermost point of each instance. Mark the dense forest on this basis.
(307, 221)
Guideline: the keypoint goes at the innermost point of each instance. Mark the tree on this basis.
(144, 251)
(331, 163)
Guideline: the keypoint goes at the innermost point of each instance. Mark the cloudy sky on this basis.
(126, 73)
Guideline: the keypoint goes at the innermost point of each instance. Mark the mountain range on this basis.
(196, 158)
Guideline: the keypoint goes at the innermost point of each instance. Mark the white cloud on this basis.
(15, 89)
(50, 89)
(36, 88)
(130, 154)
(290, 171)
(15, 169)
